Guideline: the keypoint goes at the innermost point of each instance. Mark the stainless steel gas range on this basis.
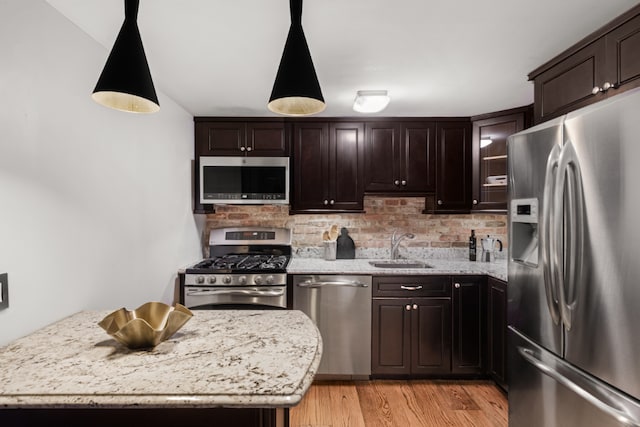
(246, 268)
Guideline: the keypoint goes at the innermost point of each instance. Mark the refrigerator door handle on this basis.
(576, 251)
(559, 232)
(549, 233)
(573, 217)
(598, 395)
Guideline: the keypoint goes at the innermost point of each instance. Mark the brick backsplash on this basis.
(371, 229)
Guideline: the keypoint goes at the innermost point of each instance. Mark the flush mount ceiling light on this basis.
(125, 83)
(485, 141)
(296, 91)
(371, 101)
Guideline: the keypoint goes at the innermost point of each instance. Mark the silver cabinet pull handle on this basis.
(332, 202)
(456, 285)
(404, 182)
(326, 202)
(249, 148)
(242, 148)
(475, 202)
(605, 87)
(415, 306)
(396, 182)
(440, 202)
(407, 307)
(411, 288)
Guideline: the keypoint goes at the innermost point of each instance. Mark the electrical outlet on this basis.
(4, 291)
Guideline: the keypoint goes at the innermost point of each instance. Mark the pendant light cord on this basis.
(295, 7)
(131, 9)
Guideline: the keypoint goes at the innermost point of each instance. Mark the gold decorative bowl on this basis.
(146, 326)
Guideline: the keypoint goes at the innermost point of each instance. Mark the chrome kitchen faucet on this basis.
(395, 242)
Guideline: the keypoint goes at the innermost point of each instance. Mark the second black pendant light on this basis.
(296, 91)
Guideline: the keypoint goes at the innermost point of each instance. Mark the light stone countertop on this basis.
(232, 358)
(496, 269)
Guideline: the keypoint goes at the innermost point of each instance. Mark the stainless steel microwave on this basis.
(244, 180)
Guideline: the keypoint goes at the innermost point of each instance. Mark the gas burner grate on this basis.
(244, 262)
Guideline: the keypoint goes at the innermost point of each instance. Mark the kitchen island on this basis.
(224, 367)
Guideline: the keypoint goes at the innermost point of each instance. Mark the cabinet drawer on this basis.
(412, 286)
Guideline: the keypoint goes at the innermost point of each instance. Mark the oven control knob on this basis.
(270, 280)
(258, 280)
(199, 279)
(212, 279)
(226, 280)
(242, 280)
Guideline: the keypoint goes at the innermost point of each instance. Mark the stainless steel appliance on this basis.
(244, 180)
(573, 292)
(246, 269)
(340, 306)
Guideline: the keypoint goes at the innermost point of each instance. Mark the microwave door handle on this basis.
(548, 231)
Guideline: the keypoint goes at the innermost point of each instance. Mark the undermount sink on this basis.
(397, 263)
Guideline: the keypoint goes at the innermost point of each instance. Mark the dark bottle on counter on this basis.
(346, 247)
(472, 246)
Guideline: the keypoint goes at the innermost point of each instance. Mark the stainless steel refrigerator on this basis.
(574, 268)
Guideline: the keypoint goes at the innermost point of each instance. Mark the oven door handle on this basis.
(322, 284)
(252, 292)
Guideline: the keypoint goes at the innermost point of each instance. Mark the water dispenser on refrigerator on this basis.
(524, 231)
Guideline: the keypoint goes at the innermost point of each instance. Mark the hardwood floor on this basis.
(392, 403)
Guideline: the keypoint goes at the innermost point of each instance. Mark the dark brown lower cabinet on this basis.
(430, 336)
(497, 331)
(438, 326)
(411, 336)
(469, 325)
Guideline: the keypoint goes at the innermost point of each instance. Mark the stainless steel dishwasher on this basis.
(340, 306)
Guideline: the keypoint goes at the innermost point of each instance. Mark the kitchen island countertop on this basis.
(496, 269)
(230, 358)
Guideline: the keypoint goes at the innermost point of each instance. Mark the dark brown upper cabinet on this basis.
(623, 61)
(328, 167)
(601, 65)
(235, 137)
(400, 157)
(453, 167)
(241, 138)
(490, 158)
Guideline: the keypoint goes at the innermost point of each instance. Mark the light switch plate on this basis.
(4, 291)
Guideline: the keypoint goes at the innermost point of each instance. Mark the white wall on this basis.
(95, 205)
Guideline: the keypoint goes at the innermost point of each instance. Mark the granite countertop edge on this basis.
(300, 265)
(124, 401)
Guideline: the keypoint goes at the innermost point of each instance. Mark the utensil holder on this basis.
(330, 248)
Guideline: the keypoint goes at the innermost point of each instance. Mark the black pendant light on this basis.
(296, 91)
(125, 83)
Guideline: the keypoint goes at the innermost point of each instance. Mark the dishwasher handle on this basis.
(326, 283)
